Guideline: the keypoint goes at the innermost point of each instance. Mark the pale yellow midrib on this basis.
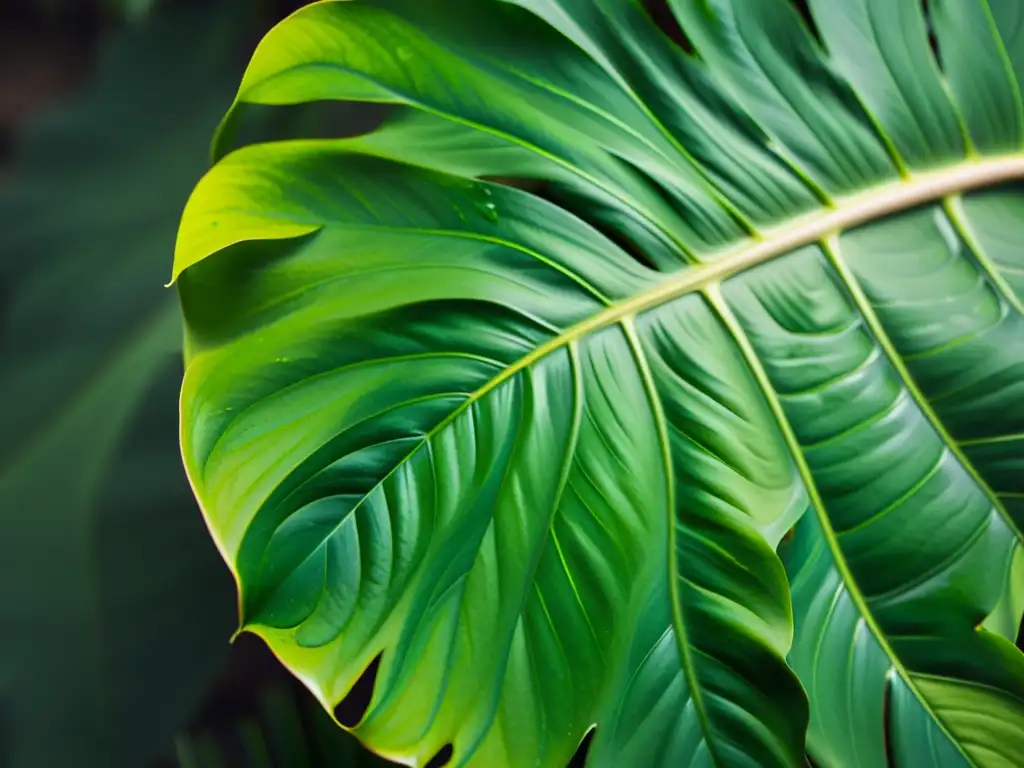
(848, 212)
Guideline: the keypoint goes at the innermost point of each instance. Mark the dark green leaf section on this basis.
(761, 52)
(911, 555)
(448, 422)
(980, 73)
(722, 485)
(993, 222)
(980, 406)
(995, 219)
(1008, 18)
(882, 48)
(679, 93)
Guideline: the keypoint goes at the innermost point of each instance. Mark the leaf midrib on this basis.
(868, 205)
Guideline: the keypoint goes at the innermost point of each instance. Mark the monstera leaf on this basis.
(528, 457)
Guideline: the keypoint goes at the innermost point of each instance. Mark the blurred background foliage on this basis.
(115, 609)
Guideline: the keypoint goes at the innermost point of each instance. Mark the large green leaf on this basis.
(114, 614)
(537, 457)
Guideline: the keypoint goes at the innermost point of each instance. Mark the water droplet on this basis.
(404, 53)
(490, 212)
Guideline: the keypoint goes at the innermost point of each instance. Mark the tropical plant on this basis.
(714, 442)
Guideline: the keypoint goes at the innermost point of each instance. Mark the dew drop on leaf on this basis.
(490, 212)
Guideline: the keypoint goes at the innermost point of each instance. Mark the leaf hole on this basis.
(887, 735)
(659, 11)
(352, 709)
(933, 40)
(579, 758)
(575, 203)
(324, 119)
(804, 10)
(442, 758)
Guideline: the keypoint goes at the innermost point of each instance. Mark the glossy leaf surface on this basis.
(536, 455)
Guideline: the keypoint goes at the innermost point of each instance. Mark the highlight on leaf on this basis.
(707, 445)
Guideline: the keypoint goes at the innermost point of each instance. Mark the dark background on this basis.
(115, 610)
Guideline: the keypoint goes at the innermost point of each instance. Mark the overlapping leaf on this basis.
(537, 459)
